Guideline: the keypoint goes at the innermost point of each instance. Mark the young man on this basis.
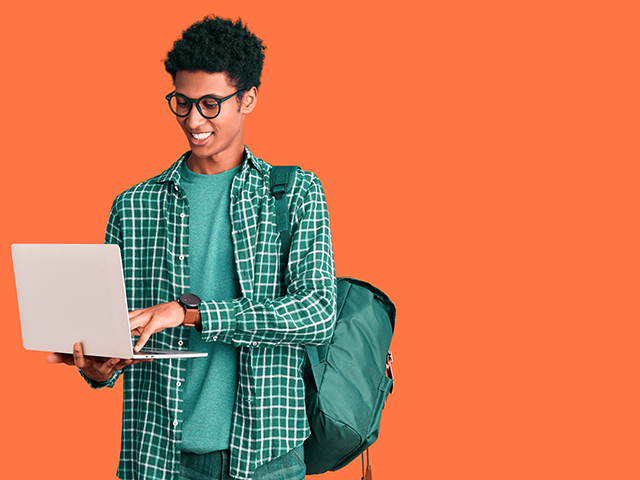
(204, 270)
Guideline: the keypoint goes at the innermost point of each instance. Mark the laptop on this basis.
(76, 293)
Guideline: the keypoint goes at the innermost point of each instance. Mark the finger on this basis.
(108, 367)
(91, 358)
(126, 362)
(136, 313)
(122, 363)
(136, 331)
(78, 356)
(65, 358)
(140, 343)
(144, 336)
(138, 322)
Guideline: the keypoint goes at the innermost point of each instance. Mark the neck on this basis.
(218, 163)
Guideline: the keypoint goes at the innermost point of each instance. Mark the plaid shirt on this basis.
(284, 306)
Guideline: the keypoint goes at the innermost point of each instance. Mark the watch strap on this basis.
(190, 317)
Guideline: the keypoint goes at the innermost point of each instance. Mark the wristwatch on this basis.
(190, 303)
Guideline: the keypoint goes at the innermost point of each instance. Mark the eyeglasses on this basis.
(208, 105)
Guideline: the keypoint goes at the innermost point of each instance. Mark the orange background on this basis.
(480, 161)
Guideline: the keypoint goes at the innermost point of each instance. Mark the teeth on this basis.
(201, 136)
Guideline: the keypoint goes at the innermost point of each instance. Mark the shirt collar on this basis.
(172, 174)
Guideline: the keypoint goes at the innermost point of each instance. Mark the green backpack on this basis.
(347, 381)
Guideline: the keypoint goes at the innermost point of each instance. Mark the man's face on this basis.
(219, 139)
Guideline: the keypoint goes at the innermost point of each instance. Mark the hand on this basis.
(150, 320)
(99, 369)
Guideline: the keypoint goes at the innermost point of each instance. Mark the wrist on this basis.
(96, 377)
(192, 318)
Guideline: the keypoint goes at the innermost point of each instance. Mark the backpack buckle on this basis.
(278, 191)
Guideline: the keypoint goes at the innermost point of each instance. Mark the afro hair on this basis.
(215, 45)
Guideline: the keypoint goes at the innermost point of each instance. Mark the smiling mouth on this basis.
(201, 136)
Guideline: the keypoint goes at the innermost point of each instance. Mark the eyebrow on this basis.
(214, 95)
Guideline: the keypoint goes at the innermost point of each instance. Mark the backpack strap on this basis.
(281, 180)
(317, 368)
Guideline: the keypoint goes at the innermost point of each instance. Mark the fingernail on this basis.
(113, 362)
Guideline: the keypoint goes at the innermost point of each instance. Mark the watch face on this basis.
(190, 300)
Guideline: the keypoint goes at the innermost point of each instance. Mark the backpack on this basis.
(347, 381)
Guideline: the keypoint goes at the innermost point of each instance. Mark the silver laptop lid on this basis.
(73, 293)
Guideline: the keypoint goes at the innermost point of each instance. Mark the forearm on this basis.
(299, 318)
(306, 313)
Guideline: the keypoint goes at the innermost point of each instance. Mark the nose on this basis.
(194, 119)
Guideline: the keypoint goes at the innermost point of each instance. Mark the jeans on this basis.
(215, 466)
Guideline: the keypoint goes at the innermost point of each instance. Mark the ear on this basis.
(249, 100)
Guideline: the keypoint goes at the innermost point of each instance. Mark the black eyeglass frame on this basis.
(197, 103)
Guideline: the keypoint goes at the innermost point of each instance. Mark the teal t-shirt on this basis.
(211, 382)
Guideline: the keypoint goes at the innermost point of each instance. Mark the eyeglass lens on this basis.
(180, 106)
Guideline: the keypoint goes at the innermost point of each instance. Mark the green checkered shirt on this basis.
(284, 306)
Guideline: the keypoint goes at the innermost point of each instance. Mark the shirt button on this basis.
(178, 384)
(181, 257)
(215, 338)
(182, 215)
(180, 342)
(255, 344)
(175, 423)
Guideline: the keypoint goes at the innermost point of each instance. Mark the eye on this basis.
(209, 104)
